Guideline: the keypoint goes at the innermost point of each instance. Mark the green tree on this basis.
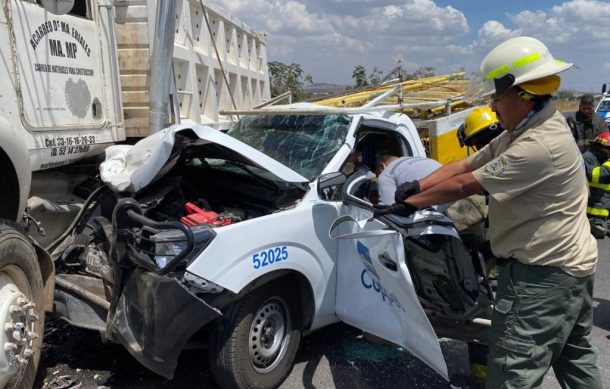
(375, 76)
(284, 78)
(359, 75)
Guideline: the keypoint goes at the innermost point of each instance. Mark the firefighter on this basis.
(533, 172)
(597, 166)
(584, 123)
(479, 128)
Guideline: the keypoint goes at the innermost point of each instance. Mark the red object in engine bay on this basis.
(197, 216)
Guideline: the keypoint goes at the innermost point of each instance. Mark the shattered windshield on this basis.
(304, 143)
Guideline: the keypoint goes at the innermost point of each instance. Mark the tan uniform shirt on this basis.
(538, 195)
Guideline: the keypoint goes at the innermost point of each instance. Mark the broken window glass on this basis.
(304, 143)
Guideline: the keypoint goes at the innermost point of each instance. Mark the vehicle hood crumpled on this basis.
(130, 168)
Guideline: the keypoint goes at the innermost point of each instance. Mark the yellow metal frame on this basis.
(449, 87)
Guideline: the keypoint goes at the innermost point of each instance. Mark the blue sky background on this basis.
(328, 38)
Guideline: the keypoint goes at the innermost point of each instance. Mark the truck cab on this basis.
(60, 96)
(78, 76)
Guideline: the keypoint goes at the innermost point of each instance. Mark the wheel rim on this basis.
(269, 334)
(17, 321)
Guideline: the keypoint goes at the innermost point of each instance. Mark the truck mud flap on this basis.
(155, 317)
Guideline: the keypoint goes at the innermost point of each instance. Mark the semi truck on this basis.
(77, 76)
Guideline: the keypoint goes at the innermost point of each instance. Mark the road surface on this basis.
(335, 357)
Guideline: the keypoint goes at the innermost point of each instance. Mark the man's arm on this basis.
(600, 124)
(445, 173)
(572, 125)
(447, 190)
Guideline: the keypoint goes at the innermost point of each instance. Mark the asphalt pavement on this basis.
(335, 357)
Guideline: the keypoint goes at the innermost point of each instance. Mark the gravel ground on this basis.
(335, 357)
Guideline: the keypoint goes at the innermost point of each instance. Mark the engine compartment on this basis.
(232, 189)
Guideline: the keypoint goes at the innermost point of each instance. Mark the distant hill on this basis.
(324, 89)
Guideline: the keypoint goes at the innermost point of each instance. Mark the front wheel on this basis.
(21, 310)
(254, 344)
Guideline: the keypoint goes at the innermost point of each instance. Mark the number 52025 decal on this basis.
(269, 256)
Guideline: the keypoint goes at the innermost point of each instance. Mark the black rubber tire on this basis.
(18, 260)
(229, 348)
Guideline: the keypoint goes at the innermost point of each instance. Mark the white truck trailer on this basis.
(77, 76)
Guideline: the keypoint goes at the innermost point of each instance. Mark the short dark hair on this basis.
(384, 155)
(587, 99)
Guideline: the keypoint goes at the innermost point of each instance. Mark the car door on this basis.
(375, 291)
(60, 68)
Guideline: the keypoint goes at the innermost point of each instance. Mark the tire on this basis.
(235, 347)
(21, 308)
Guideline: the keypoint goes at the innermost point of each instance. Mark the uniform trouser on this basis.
(542, 318)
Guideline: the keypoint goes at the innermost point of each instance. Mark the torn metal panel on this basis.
(155, 317)
(131, 168)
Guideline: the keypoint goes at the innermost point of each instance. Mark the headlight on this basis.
(154, 249)
(166, 251)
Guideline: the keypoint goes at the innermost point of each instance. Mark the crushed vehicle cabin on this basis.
(250, 239)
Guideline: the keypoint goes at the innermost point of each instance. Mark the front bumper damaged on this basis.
(155, 317)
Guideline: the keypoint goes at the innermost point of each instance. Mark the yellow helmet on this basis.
(479, 128)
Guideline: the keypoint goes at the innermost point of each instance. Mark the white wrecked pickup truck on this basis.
(252, 238)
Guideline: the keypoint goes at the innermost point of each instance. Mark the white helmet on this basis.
(523, 61)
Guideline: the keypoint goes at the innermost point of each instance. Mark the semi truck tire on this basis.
(21, 309)
(254, 344)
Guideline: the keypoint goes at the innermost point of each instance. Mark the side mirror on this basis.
(57, 7)
(329, 183)
(356, 190)
(604, 88)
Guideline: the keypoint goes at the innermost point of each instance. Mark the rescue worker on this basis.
(584, 123)
(534, 175)
(479, 128)
(597, 167)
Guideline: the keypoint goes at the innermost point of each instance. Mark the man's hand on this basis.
(400, 209)
(405, 190)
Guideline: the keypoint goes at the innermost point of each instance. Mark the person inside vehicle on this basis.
(584, 123)
(355, 164)
(534, 175)
(392, 171)
(597, 167)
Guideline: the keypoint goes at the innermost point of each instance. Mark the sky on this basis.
(328, 38)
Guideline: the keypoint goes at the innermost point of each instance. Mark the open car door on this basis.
(395, 275)
(375, 291)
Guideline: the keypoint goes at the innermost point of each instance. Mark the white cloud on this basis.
(392, 11)
(494, 32)
(329, 37)
(576, 23)
(326, 36)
